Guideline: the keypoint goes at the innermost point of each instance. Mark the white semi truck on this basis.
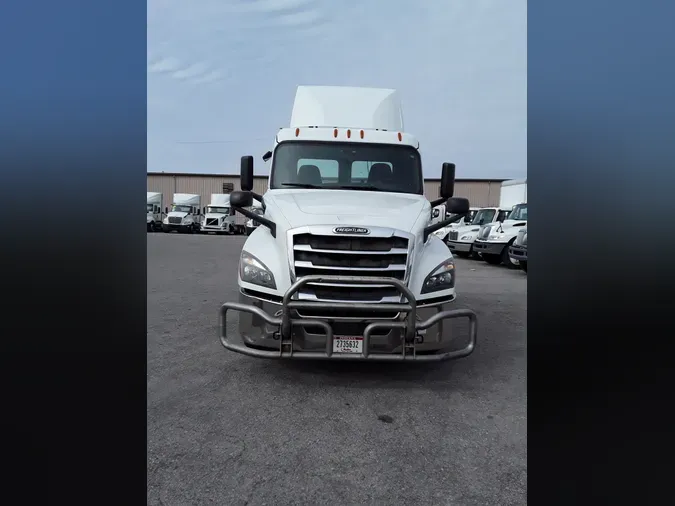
(518, 250)
(460, 239)
(442, 233)
(252, 224)
(494, 240)
(184, 215)
(218, 216)
(154, 211)
(344, 264)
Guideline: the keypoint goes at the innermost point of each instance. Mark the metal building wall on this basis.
(481, 193)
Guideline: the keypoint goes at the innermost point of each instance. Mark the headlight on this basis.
(252, 270)
(441, 278)
(466, 238)
(495, 236)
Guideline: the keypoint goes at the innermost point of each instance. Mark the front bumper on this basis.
(489, 248)
(462, 247)
(171, 227)
(518, 253)
(286, 334)
(211, 228)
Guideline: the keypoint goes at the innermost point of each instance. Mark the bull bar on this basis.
(409, 324)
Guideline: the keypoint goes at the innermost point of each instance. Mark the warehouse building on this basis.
(480, 192)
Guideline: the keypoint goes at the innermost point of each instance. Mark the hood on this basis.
(511, 223)
(212, 216)
(335, 207)
(465, 229)
(177, 214)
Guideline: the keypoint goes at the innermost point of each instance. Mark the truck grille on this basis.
(212, 222)
(334, 255)
(453, 235)
(175, 220)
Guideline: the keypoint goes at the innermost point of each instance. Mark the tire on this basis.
(506, 259)
(492, 259)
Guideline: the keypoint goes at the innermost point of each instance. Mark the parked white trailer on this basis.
(344, 264)
(184, 215)
(494, 240)
(218, 217)
(154, 211)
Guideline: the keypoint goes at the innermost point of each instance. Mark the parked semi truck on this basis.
(460, 240)
(518, 250)
(344, 264)
(218, 217)
(252, 224)
(184, 215)
(154, 211)
(494, 240)
(442, 233)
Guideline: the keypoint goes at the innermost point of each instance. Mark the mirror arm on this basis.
(437, 226)
(256, 217)
(438, 202)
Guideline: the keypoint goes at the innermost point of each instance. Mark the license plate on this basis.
(348, 344)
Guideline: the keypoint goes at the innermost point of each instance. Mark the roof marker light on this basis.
(400, 137)
(297, 132)
(335, 133)
(349, 134)
(362, 134)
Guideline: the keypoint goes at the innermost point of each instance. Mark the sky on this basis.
(222, 76)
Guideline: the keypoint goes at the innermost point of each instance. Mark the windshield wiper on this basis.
(361, 187)
(302, 185)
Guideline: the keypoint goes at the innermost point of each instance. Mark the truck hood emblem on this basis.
(351, 230)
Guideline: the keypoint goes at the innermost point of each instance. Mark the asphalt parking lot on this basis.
(228, 429)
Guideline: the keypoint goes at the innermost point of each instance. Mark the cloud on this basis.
(228, 69)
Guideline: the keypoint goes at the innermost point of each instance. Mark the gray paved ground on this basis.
(228, 429)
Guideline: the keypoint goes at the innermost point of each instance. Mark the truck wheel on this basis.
(492, 259)
(506, 259)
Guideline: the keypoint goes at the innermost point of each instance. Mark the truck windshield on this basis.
(483, 216)
(219, 210)
(519, 212)
(349, 166)
(177, 208)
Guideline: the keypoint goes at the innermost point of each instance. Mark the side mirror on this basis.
(241, 199)
(448, 181)
(267, 156)
(458, 205)
(246, 176)
(204, 210)
(166, 210)
(199, 211)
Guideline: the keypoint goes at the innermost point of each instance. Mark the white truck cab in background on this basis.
(518, 250)
(184, 215)
(460, 240)
(494, 240)
(344, 264)
(251, 224)
(442, 233)
(218, 216)
(154, 211)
